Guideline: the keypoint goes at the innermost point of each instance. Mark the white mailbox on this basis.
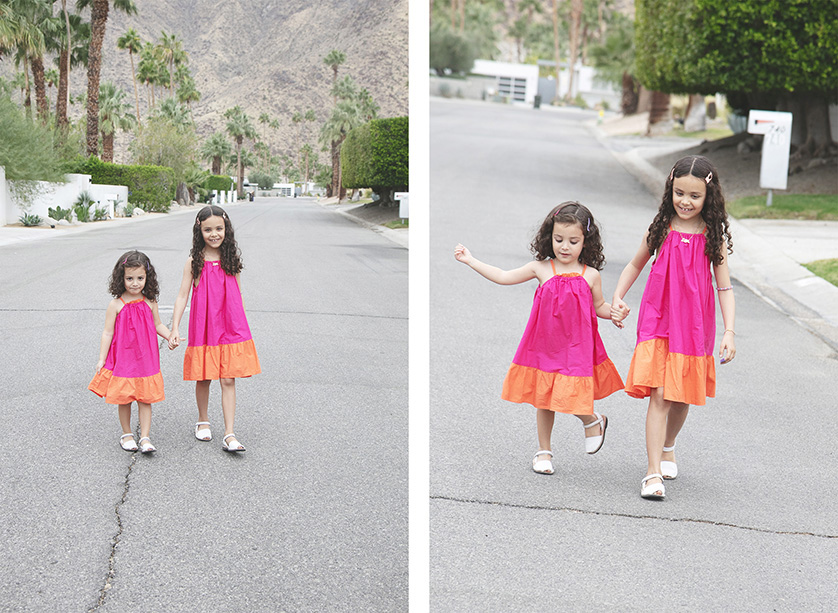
(776, 126)
(404, 204)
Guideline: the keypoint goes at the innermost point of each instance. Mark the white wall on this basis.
(50, 195)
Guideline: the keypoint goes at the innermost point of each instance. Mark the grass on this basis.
(397, 223)
(822, 207)
(709, 134)
(828, 269)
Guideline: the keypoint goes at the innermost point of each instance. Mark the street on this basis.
(312, 517)
(748, 525)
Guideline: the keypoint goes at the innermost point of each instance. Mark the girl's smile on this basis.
(134, 281)
(212, 229)
(688, 194)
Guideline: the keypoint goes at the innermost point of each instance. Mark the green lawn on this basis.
(828, 269)
(786, 206)
(398, 223)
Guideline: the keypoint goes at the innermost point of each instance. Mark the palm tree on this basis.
(131, 42)
(149, 70)
(239, 127)
(214, 149)
(172, 53)
(187, 92)
(334, 59)
(114, 113)
(32, 25)
(344, 117)
(74, 47)
(98, 20)
(175, 113)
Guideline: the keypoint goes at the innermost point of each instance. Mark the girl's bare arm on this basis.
(180, 303)
(619, 309)
(107, 333)
(493, 273)
(727, 304)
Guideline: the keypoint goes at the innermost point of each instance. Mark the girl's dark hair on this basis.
(231, 261)
(134, 259)
(570, 213)
(713, 213)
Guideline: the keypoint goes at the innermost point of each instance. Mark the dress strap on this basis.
(553, 264)
(584, 268)
(122, 301)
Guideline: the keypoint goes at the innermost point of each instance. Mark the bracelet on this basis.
(723, 289)
(731, 331)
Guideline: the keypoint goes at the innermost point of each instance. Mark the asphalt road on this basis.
(313, 517)
(749, 525)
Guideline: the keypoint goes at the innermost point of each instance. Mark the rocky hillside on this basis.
(267, 56)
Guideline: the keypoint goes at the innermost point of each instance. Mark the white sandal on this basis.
(543, 467)
(226, 447)
(127, 445)
(594, 443)
(198, 428)
(146, 447)
(655, 491)
(669, 469)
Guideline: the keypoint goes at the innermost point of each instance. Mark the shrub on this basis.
(451, 51)
(58, 213)
(153, 185)
(376, 155)
(221, 183)
(262, 179)
(82, 207)
(100, 213)
(27, 219)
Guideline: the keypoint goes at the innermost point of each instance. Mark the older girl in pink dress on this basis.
(561, 365)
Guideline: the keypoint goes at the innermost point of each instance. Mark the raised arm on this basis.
(493, 273)
(180, 303)
(727, 304)
(107, 333)
(619, 309)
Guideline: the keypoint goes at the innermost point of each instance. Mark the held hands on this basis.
(619, 311)
(174, 340)
(727, 349)
(462, 254)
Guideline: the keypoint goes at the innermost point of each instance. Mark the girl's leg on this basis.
(544, 423)
(144, 410)
(656, 418)
(677, 416)
(125, 418)
(202, 391)
(228, 406)
(593, 431)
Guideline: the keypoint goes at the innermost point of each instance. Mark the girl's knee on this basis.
(225, 383)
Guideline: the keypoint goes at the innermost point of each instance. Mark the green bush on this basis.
(219, 183)
(376, 155)
(153, 186)
(262, 179)
(451, 51)
(28, 219)
(58, 213)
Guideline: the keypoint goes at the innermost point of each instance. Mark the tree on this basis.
(114, 113)
(26, 148)
(74, 47)
(770, 55)
(215, 149)
(333, 60)
(344, 117)
(160, 143)
(239, 127)
(175, 113)
(615, 63)
(131, 42)
(98, 20)
(450, 51)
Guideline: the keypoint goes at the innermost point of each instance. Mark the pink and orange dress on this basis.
(676, 325)
(132, 368)
(561, 364)
(219, 345)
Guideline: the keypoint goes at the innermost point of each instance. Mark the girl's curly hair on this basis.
(713, 213)
(570, 213)
(231, 261)
(134, 259)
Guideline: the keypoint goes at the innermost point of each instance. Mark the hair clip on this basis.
(588, 229)
(708, 178)
(672, 173)
(125, 261)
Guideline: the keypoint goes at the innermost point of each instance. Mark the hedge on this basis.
(376, 155)
(152, 186)
(221, 183)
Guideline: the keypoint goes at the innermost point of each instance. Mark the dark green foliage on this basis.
(451, 51)
(221, 183)
(262, 179)
(26, 148)
(376, 155)
(766, 46)
(152, 185)
(58, 213)
(28, 219)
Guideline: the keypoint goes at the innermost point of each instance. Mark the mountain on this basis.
(267, 57)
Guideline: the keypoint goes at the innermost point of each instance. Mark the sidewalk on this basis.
(768, 254)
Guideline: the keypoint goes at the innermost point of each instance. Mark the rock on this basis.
(137, 212)
(50, 221)
(63, 222)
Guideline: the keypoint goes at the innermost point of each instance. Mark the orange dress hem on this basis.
(233, 361)
(561, 393)
(122, 390)
(684, 378)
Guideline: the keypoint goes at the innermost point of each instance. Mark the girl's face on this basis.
(134, 279)
(568, 240)
(212, 229)
(688, 193)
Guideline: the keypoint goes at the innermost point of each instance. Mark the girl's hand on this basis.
(174, 340)
(462, 254)
(99, 365)
(619, 311)
(727, 350)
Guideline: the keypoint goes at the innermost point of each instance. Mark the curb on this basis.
(400, 237)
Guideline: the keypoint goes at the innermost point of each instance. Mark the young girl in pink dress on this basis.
(219, 345)
(561, 365)
(676, 326)
(128, 369)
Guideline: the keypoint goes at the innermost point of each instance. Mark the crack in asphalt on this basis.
(111, 574)
(634, 516)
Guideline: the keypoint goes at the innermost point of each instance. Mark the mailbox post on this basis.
(774, 166)
(404, 204)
